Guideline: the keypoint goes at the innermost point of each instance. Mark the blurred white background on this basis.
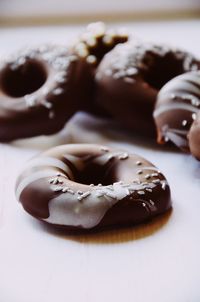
(34, 9)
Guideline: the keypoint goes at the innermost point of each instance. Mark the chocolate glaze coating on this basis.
(194, 137)
(177, 105)
(40, 89)
(130, 76)
(85, 186)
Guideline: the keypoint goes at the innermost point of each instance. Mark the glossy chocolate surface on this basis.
(129, 77)
(40, 89)
(176, 109)
(85, 186)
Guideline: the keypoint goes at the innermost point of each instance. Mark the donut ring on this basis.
(86, 186)
(40, 89)
(130, 76)
(96, 41)
(177, 105)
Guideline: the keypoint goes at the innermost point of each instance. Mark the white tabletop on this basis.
(155, 262)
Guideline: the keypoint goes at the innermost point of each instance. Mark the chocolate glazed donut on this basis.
(84, 187)
(130, 76)
(40, 89)
(176, 109)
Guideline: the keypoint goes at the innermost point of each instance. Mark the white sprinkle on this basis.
(84, 195)
(70, 191)
(109, 194)
(58, 91)
(131, 71)
(47, 104)
(57, 189)
(100, 193)
(64, 190)
(195, 102)
(30, 100)
(91, 41)
(147, 176)
(156, 181)
(108, 39)
(53, 181)
(105, 149)
(148, 189)
(154, 174)
(164, 184)
(129, 80)
(138, 163)
(110, 187)
(194, 116)
(91, 59)
(123, 156)
(141, 192)
(60, 78)
(139, 172)
(184, 123)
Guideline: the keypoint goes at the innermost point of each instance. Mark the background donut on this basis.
(40, 89)
(92, 45)
(130, 76)
(177, 105)
(97, 40)
(86, 186)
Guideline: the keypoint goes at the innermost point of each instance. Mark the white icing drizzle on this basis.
(181, 83)
(29, 179)
(90, 212)
(174, 106)
(45, 161)
(177, 139)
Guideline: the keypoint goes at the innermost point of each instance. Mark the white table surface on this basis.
(156, 262)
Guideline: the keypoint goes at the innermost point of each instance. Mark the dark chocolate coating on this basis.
(40, 89)
(129, 78)
(85, 186)
(194, 137)
(177, 105)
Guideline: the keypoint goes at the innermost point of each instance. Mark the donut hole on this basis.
(162, 70)
(97, 174)
(23, 80)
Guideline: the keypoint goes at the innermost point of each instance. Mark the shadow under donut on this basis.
(112, 236)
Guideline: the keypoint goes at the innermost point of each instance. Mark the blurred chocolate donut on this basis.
(40, 89)
(129, 77)
(177, 105)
